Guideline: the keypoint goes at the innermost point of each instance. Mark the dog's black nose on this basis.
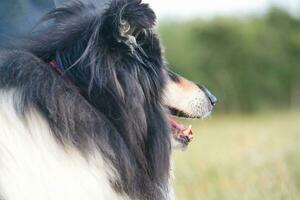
(212, 98)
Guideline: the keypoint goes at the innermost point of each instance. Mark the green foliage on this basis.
(250, 63)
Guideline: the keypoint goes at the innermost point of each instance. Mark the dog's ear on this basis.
(126, 19)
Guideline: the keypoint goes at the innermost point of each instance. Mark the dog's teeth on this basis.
(190, 132)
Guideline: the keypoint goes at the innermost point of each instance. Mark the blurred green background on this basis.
(250, 148)
(241, 157)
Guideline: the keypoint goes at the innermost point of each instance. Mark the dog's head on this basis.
(181, 97)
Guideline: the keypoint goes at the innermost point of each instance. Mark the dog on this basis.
(87, 107)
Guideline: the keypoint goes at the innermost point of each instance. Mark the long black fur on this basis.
(116, 104)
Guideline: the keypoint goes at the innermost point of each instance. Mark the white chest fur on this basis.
(34, 166)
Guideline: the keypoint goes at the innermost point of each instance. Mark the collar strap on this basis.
(54, 65)
(57, 64)
(58, 67)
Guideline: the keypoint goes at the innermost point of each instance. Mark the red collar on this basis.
(55, 66)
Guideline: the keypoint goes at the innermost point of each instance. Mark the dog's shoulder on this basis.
(19, 68)
(15, 56)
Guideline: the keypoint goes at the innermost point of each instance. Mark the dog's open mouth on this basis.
(181, 133)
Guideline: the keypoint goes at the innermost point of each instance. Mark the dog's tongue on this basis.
(179, 131)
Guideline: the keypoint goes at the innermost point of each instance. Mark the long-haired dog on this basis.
(85, 105)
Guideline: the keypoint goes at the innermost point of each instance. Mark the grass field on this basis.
(236, 157)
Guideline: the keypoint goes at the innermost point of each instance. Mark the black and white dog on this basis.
(85, 106)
